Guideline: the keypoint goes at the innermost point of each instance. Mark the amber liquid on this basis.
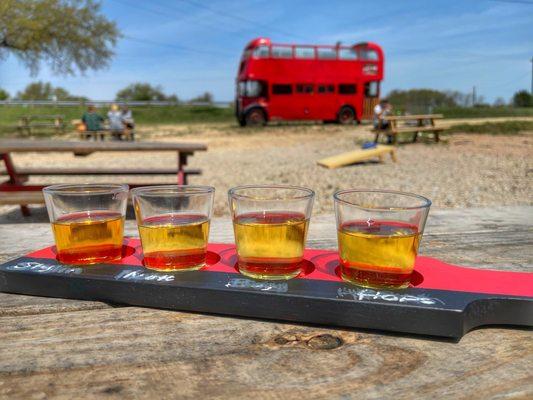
(174, 242)
(89, 237)
(270, 245)
(378, 253)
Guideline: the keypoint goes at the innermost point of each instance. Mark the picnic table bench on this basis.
(16, 190)
(55, 348)
(27, 123)
(414, 124)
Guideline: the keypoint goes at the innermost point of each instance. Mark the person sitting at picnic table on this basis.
(116, 126)
(127, 117)
(129, 123)
(92, 120)
(381, 111)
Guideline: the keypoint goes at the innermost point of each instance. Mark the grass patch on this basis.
(484, 112)
(493, 128)
(10, 115)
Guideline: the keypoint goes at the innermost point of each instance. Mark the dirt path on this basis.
(464, 171)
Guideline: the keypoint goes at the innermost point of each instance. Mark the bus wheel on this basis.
(255, 117)
(346, 116)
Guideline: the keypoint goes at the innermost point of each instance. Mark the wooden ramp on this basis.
(355, 156)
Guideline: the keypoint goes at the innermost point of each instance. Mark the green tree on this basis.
(36, 91)
(499, 102)
(522, 98)
(45, 91)
(142, 92)
(4, 95)
(207, 97)
(68, 35)
(419, 100)
(173, 98)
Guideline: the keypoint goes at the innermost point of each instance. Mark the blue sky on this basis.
(192, 46)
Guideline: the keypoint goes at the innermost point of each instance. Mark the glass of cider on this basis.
(173, 222)
(87, 221)
(379, 232)
(270, 225)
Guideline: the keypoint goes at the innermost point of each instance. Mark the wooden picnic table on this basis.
(29, 122)
(414, 124)
(15, 189)
(54, 348)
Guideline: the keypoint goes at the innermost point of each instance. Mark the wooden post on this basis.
(182, 162)
(14, 179)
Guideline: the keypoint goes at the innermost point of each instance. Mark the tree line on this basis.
(134, 92)
(415, 100)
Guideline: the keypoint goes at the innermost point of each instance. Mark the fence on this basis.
(107, 103)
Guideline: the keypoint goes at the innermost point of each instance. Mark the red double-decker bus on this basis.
(305, 82)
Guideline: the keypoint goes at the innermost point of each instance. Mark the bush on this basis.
(522, 99)
(493, 128)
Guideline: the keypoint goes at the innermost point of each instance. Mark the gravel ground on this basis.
(462, 171)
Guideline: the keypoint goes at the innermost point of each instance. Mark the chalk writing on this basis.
(369, 294)
(279, 287)
(134, 275)
(35, 266)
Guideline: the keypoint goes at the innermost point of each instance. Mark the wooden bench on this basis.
(16, 190)
(126, 134)
(414, 124)
(17, 198)
(352, 157)
(28, 123)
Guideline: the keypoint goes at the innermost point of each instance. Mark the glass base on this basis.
(176, 268)
(270, 271)
(376, 280)
(90, 255)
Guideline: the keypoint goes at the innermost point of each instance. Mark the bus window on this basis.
(347, 54)
(323, 89)
(304, 52)
(325, 53)
(370, 55)
(252, 88)
(281, 52)
(347, 88)
(261, 52)
(307, 88)
(281, 89)
(372, 89)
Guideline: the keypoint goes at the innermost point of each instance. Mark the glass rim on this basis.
(309, 193)
(83, 189)
(182, 190)
(426, 203)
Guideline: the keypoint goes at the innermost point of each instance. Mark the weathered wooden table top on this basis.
(21, 145)
(53, 348)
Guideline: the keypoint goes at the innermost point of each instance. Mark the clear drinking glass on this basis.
(173, 223)
(379, 232)
(87, 221)
(270, 224)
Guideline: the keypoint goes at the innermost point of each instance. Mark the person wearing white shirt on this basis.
(381, 111)
(115, 122)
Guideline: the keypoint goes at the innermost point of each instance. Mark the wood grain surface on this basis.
(53, 348)
(17, 145)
